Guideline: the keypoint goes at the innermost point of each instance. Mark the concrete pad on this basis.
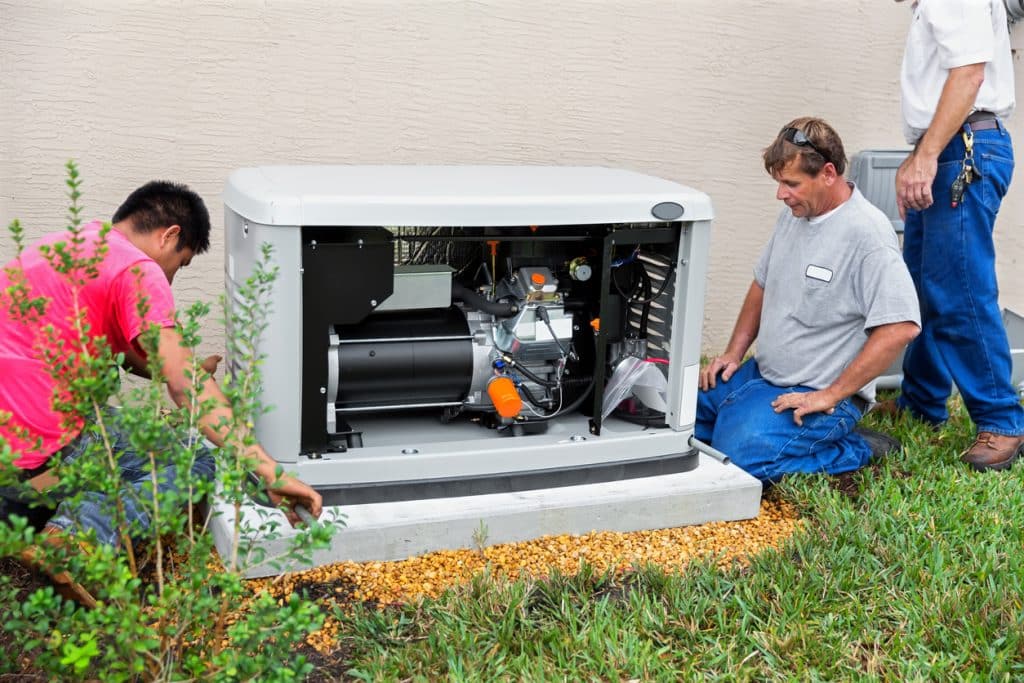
(398, 530)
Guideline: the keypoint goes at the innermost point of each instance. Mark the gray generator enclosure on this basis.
(455, 331)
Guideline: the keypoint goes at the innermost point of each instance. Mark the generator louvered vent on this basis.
(659, 315)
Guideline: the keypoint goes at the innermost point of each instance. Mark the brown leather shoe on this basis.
(993, 451)
(63, 582)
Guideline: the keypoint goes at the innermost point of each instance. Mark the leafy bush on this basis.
(167, 610)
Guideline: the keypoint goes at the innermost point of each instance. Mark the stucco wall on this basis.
(692, 91)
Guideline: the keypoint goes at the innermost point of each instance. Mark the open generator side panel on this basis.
(419, 336)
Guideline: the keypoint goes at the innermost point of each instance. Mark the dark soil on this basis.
(19, 669)
(329, 667)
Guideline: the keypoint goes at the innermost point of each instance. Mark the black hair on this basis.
(159, 204)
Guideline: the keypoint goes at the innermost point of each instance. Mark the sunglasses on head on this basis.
(800, 139)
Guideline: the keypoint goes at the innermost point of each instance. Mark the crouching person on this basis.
(831, 307)
(157, 231)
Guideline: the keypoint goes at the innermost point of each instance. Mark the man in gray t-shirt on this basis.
(831, 307)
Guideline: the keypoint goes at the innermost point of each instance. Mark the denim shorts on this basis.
(93, 510)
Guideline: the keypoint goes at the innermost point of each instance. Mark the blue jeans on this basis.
(93, 509)
(951, 257)
(737, 418)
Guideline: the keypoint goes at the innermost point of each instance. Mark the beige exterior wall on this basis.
(690, 90)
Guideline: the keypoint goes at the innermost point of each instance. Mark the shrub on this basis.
(167, 610)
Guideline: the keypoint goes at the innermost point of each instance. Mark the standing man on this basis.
(957, 89)
(831, 306)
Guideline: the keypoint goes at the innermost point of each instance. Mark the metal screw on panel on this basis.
(410, 451)
(360, 243)
(683, 262)
(373, 302)
(323, 390)
(576, 438)
(245, 229)
(312, 245)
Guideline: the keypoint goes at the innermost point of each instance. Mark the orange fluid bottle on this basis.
(504, 396)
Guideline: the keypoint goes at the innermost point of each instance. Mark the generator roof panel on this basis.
(457, 196)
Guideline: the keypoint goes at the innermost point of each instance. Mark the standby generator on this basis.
(442, 331)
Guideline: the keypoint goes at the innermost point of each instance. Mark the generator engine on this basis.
(500, 350)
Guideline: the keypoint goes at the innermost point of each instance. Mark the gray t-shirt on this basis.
(826, 284)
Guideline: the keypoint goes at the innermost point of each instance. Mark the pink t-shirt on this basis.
(111, 302)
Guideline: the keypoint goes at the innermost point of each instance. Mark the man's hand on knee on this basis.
(720, 364)
(805, 403)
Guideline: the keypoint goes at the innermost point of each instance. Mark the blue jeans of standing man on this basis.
(951, 257)
(737, 418)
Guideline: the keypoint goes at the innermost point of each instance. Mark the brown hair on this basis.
(825, 147)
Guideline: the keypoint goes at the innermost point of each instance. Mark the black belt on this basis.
(859, 403)
(982, 120)
(25, 475)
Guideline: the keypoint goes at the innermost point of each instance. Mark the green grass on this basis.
(915, 576)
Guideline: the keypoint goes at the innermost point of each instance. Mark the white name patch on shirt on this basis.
(819, 273)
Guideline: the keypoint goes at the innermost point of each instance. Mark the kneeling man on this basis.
(831, 307)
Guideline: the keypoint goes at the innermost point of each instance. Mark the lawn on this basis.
(908, 570)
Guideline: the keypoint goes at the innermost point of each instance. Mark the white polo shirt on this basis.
(945, 34)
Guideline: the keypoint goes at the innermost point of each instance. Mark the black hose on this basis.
(537, 379)
(542, 313)
(481, 303)
(565, 409)
(664, 284)
(634, 287)
(531, 398)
